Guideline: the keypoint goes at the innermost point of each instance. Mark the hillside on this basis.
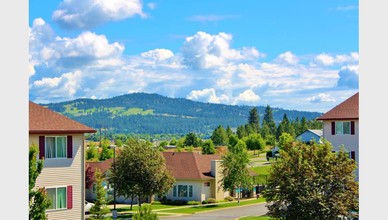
(142, 113)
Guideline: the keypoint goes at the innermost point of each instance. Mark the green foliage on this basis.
(106, 152)
(193, 202)
(92, 152)
(208, 147)
(284, 140)
(163, 144)
(140, 171)
(145, 213)
(269, 121)
(119, 143)
(311, 182)
(233, 139)
(100, 208)
(219, 136)
(234, 166)
(173, 141)
(253, 119)
(191, 139)
(229, 198)
(254, 142)
(38, 201)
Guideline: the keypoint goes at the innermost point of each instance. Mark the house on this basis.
(61, 145)
(341, 126)
(310, 135)
(103, 167)
(197, 176)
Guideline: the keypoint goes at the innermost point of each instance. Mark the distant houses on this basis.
(311, 135)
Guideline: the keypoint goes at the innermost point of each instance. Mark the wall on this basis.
(64, 172)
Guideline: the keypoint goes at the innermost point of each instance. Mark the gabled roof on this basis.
(190, 165)
(348, 109)
(45, 121)
(316, 132)
(103, 166)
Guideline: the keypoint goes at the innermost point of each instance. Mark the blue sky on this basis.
(299, 55)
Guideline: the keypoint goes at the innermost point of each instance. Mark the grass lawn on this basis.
(262, 170)
(255, 218)
(154, 207)
(214, 206)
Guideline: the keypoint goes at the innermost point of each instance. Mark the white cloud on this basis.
(158, 54)
(247, 97)
(207, 95)
(86, 14)
(151, 5)
(203, 51)
(328, 60)
(324, 59)
(288, 58)
(322, 97)
(348, 77)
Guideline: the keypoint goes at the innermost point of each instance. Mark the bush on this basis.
(156, 203)
(145, 213)
(211, 200)
(229, 198)
(193, 203)
(179, 202)
(204, 202)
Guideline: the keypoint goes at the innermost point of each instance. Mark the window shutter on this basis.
(69, 197)
(41, 147)
(353, 155)
(332, 128)
(352, 128)
(69, 146)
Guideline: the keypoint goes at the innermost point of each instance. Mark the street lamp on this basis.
(114, 211)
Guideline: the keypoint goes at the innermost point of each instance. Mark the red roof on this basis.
(190, 165)
(46, 121)
(348, 109)
(103, 166)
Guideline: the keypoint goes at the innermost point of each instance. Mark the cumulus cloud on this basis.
(158, 54)
(348, 77)
(87, 14)
(247, 97)
(288, 58)
(322, 97)
(207, 95)
(203, 51)
(328, 60)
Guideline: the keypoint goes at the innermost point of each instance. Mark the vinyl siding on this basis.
(65, 172)
(198, 191)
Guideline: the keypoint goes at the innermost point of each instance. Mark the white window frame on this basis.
(189, 188)
(56, 147)
(56, 196)
(339, 127)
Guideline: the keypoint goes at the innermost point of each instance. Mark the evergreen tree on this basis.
(173, 141)
(219, 136)
(208, 147)
(269, 120)
(229, 131)
(254, 119)
(285, 127)
(241, 132)
(191, 140)
(38, 201)
(100, 208)
(233, 140)
(303, 125)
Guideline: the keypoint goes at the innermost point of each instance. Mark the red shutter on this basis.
(69, 197)
(353, 155)
(352, 128)
(69, 146)
(332, 128)
(41, 147)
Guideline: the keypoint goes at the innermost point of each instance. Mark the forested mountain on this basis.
(142, 113)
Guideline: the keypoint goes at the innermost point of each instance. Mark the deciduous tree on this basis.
(311, 182)
(208, 147)
(38, 201)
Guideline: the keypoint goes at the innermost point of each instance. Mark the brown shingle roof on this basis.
(348, 109)
(189, 165)
(45, 121)
(103, 166)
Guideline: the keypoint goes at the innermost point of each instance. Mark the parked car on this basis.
(88, 205)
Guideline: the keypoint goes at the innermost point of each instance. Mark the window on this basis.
(342, 127)
(56, 147)
(206, 184)
(58, 198)
(182, 191)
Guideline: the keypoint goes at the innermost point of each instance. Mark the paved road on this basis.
(224, 214)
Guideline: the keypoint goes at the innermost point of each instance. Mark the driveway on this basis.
(224, 214)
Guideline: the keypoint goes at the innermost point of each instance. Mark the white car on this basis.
(88, 205)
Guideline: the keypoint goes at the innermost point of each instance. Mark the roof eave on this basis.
(61, 131)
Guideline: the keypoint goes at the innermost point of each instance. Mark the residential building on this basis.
(61, 145)
(197, 176)
(341, 126)
(310, 135)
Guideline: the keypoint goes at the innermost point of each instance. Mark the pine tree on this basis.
(269, 120)
(38, 201)
(100, 208)
(254, 119)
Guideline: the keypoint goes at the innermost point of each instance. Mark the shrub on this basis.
(179, 202)
(229, 198)
(204, 202)
(156, 203)
(193, 203)
(211, 200)
(145, 213)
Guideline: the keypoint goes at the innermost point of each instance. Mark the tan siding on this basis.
(64, 172)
